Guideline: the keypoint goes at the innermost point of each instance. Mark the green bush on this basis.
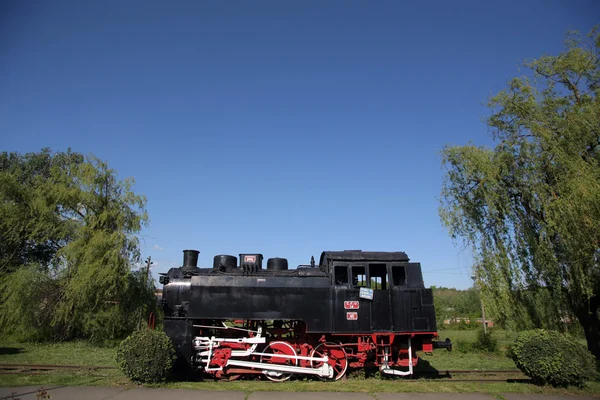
(551, 357)
(146, 356)
(484, 342)
(464, 346)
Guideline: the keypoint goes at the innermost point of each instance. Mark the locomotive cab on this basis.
(373, 285)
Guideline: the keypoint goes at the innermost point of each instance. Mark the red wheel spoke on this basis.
(279, 350)
(338, 359)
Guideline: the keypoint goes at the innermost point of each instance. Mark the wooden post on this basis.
(148, 264)
(143, 309)
(483, 313)
(477, 286)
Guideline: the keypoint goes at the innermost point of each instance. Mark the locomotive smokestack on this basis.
(190, 260)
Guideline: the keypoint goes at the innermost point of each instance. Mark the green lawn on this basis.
(350, 385)
(70, 353)
(444, 360)
(504, 337)
(81, 353)
(383, 386)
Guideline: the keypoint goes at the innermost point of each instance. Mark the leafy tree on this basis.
(529, 207)
(72, 253)
(31, 229)
(98, 259)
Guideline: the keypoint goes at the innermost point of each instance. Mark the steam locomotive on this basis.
(355, 309)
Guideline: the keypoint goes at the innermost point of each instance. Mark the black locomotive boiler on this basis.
(355, 309)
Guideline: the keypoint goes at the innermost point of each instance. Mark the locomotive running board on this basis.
(324, 370)
(385, 368)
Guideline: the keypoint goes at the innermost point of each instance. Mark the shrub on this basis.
(551, 357)
(484, 342)
(146, 356)
(463, 346)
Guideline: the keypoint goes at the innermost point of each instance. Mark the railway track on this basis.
(510, 375)
(513, 375)
(38, 369)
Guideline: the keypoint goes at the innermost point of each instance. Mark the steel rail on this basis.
(424, 376)
(471, 371)
(49, 367)
(446, 380)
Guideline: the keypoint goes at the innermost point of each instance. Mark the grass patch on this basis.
(445, 360)
(82, 353)
(372, 386)
(111, 378)
(505, 338)
(68, 353)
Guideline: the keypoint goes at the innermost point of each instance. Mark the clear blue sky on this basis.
(279, 127)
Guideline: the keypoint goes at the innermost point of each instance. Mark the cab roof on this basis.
(359, 255)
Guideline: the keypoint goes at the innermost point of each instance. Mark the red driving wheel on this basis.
(275, 354)
(337, 358)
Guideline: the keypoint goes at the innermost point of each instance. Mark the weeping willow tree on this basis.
(530, 206)
(69, 248)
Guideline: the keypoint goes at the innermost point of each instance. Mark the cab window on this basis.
(378, 275)
(341, 275)
(359, 276)
(399, 276)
